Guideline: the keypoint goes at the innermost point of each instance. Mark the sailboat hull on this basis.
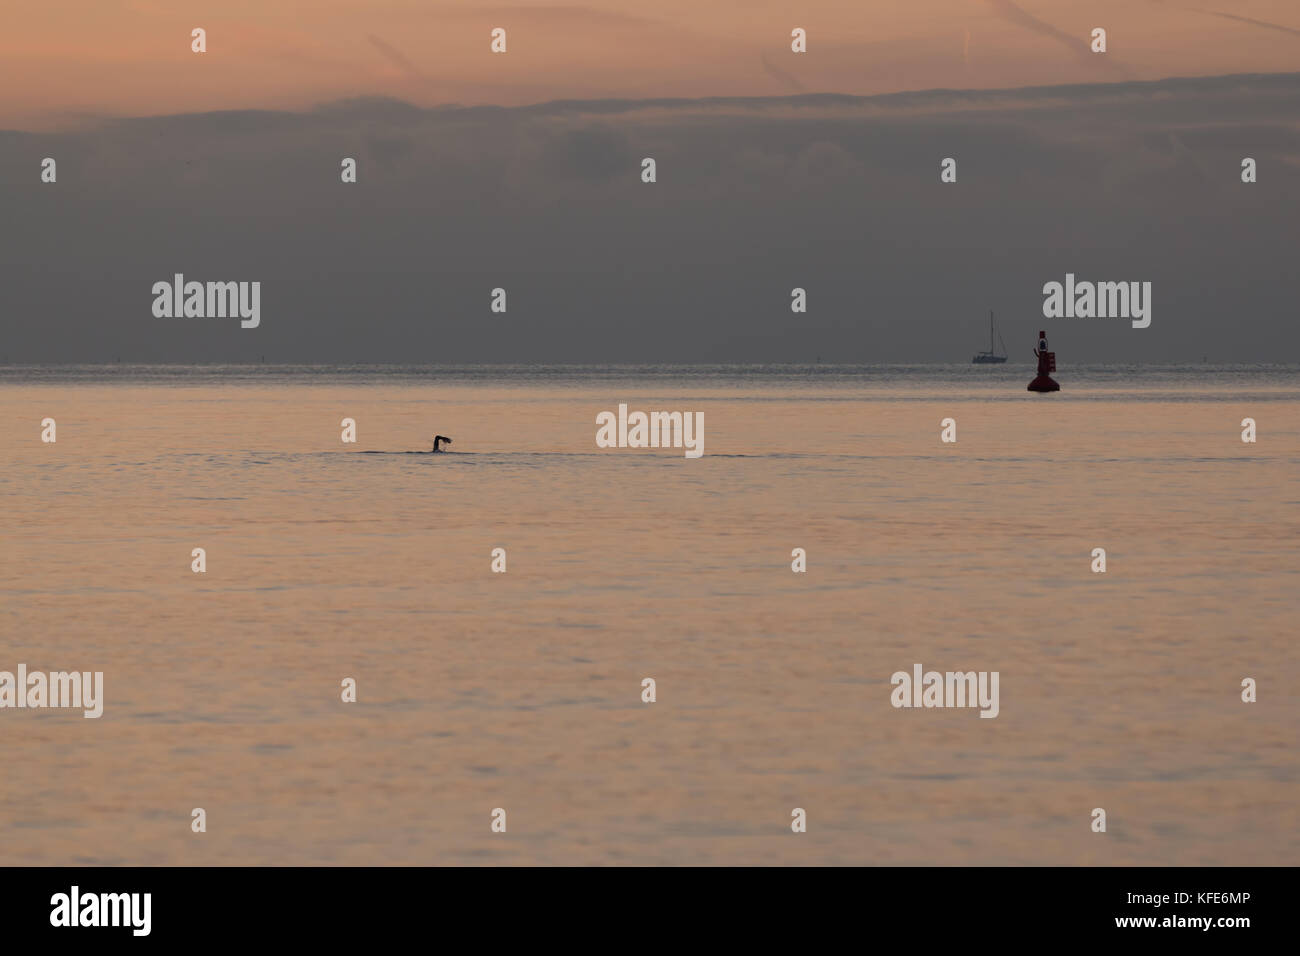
(988, 360)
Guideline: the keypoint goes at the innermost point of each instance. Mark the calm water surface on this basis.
(522, 690)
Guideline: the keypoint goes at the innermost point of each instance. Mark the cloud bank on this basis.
(839, 195)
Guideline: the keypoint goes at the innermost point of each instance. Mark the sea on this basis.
(521, 696)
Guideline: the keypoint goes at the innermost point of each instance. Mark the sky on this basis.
(64, 60)
(522, 170)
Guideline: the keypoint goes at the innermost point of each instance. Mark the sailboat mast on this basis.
(990, 330)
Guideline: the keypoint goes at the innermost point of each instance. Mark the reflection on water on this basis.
(522, 690)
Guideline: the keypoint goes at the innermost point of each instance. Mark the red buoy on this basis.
(1046, 364)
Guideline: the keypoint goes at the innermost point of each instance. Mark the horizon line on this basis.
(629, 365)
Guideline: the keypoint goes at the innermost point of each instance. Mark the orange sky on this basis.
(61, 60)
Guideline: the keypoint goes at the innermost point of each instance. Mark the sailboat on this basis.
(991, 357)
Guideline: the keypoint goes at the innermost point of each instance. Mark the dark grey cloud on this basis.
(836, 194)
(586, 150)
